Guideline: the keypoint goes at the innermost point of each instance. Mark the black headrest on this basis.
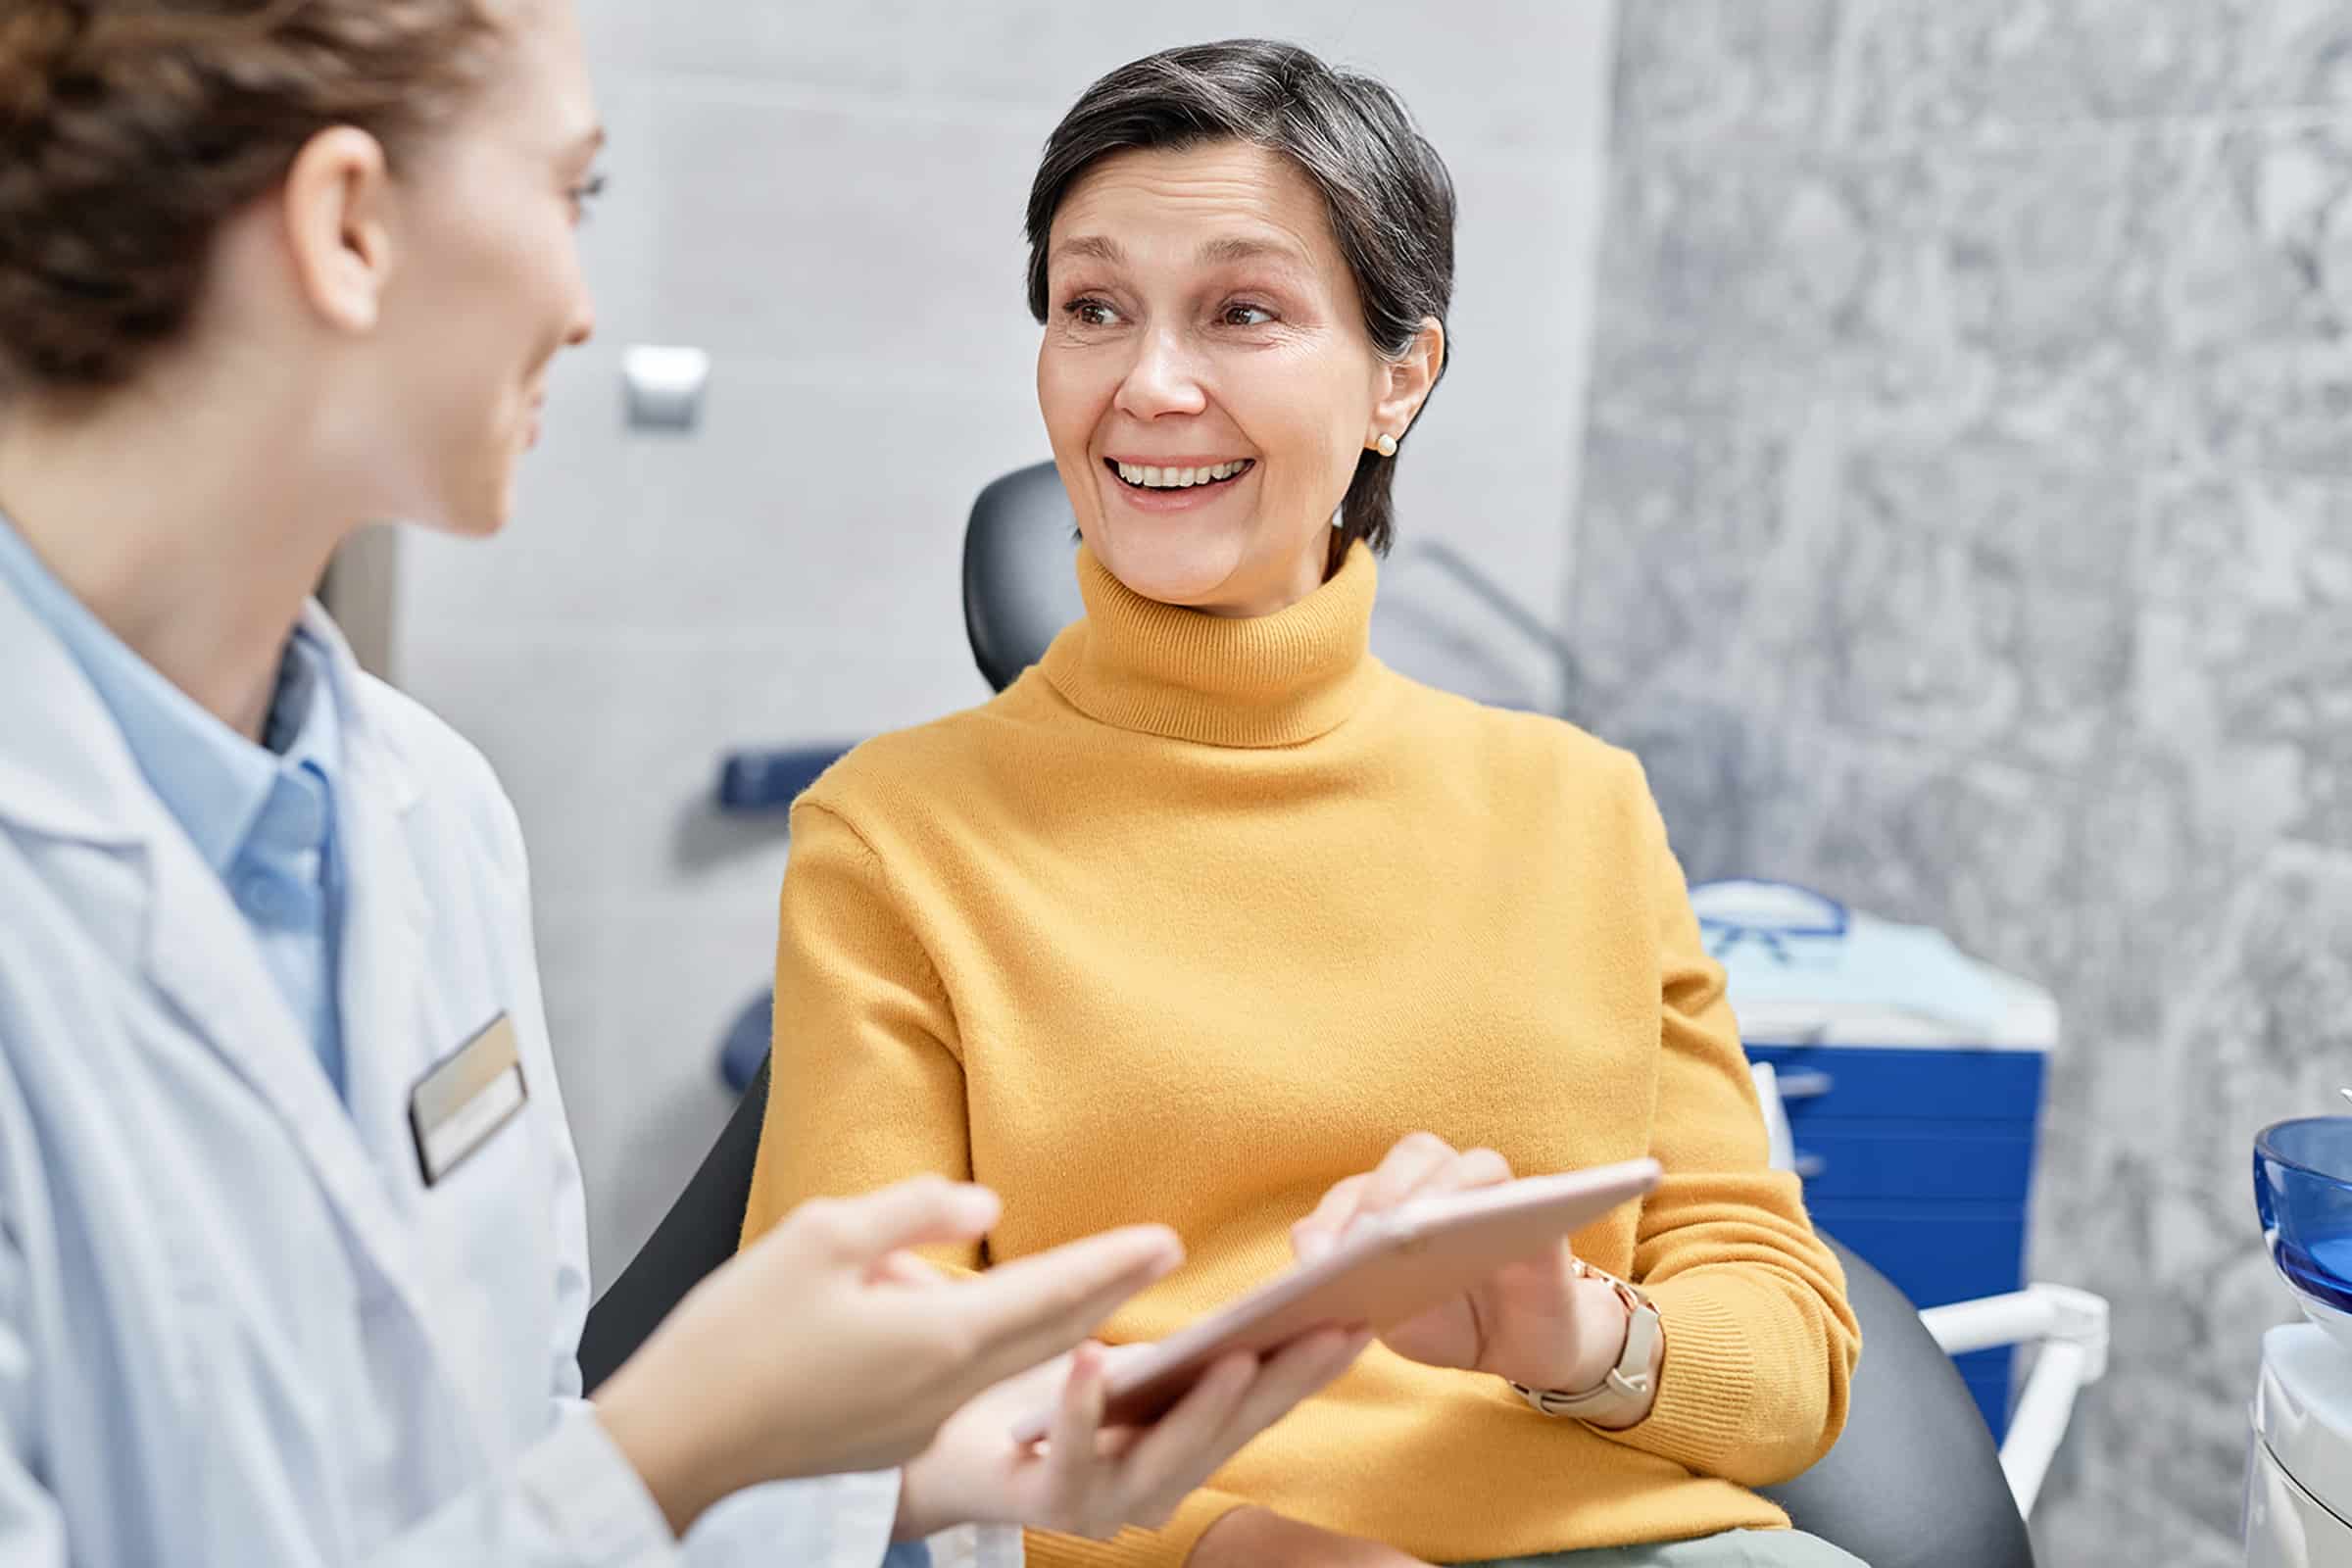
(1020, 588)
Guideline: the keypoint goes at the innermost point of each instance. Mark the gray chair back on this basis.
(1018, 587)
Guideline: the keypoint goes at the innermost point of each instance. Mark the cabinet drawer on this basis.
(1849, 1081)
(1847, 1157)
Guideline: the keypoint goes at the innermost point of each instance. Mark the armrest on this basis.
(2072, 1328)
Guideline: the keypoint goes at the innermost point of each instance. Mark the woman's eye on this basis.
(1245, 315)
(1091, 313)
(586, 192)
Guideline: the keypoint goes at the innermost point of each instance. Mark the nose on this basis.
(1161, 381)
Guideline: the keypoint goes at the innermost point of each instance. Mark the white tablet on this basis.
(1394, 1267)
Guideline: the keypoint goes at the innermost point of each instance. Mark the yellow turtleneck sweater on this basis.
(1200, 916)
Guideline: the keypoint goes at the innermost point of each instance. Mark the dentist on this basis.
(292, 1257)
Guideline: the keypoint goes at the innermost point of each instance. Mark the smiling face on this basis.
(489, 289)
(1206, 379)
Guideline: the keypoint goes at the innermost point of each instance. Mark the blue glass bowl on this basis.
(2303, 1192)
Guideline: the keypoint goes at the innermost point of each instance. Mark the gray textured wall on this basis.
(1967, 530)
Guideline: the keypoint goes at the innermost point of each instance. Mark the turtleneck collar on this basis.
(1269, 680)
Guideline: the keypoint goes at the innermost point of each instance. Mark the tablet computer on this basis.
(1392, 1268)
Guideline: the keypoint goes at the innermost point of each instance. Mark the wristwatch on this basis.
(1624, 1396)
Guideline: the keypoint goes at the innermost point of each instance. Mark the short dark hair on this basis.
(1389, 196)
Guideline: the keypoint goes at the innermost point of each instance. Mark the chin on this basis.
(473, 514)
(1170, 563)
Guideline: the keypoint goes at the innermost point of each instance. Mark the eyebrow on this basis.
(1215, 253)
(1093, 247)
(1236, 249)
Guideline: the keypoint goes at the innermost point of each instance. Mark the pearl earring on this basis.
(1386, 444)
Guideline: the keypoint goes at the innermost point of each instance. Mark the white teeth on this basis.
(1168, 478)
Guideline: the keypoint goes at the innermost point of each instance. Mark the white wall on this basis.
(828, 198)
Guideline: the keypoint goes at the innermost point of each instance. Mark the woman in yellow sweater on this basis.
(1207, 913)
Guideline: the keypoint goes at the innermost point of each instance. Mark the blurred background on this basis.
(1929, 422)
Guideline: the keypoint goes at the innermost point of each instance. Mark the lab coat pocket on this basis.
(258, 1440)
(491, 1242)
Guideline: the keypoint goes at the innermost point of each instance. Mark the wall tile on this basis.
(1501, 73)
(1726, 274)
(1716, 71)
(1970, 845)
(2258, 703)
(1733, 791)
(2293, 52)
(2259, 288)
(540, 712)
(828, 509)
(838, 238)
(2013, 285)
(1927, 68)
(2275, 542)
(1691, 533)
(1979, 599)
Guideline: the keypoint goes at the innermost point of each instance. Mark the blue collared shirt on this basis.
(262, 817)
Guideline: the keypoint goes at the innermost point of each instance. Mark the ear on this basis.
(1403, 383)
(337, 209)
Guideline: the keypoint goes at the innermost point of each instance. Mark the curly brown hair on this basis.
(130, 131)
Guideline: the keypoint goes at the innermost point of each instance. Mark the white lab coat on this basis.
(236, 1328)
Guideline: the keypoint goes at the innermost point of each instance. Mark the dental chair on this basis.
(1915, 1481)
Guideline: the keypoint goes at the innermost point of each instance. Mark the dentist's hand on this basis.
(1088, 1478)
(1535, 1322)
(826, 1347)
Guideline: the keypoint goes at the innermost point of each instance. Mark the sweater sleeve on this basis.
(866, 1085)
(1760, 1342)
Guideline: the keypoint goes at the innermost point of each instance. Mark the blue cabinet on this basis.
(1912, 1075)
(1921, 1160)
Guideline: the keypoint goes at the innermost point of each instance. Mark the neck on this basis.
(1263, 681)
(184, 526)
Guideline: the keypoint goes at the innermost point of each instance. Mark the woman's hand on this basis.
(1535, 1322)
(1088, 1478)
(826, 1347)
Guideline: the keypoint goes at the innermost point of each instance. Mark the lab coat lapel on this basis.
(67, 774)
(198, 958)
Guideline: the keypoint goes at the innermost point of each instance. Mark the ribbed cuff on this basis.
(1703, 1415)
(1168, 1548)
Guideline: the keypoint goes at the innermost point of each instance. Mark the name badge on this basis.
(469, 1095)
